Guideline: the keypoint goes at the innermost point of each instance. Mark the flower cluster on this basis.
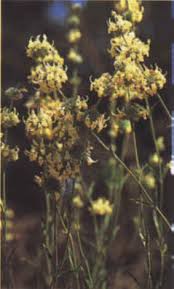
(160, 143)
(101, 207)
(102, 85)
(131, 10)
(74, 56)
(77, 202)
(55, 122)
(118, 24)
(132, 82)
(98, 123)
(54, 140)
(48, 73)
(74, 35)
(39, 125)
(149, 181)
(43, 51)
(48, 77)
(9, 118)
(9, 154)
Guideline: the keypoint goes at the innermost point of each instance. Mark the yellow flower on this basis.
(160, 143)
(155, 80)
(49, 73)
(43, 51)
(74, 35)
(101, 84)
(53, 58)
(37, 45)
(49, 78)
(101, 207)
(126, 125)
(118, 24)
(77, 202)
(9, 118)
(14, 154)
(123, 4)
(48, 133)
(131, 8)
(74, 56)
(128, 48)
(39, 125)
(32, 154)
(59, 146)
(81, 104)
(155, 159)
(9, 154)
(136, 10)
(99, 124)
(54, 108)
(150, 181)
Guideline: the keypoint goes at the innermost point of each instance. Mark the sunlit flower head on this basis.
(101, 207)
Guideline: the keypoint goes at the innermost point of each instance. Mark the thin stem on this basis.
(68, 233)
(75, 260)
(142, 215)
(161, 270)
(4, 207)
(85, 259)
(157, 151)
(164, 106)
(146, 194)
(149, 259)
(136, 150)
(55, 238)
(6, 271)
(47, 239)
(161, 176)
(124, 166)
(54, 242)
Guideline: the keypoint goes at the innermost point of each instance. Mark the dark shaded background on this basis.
(23, 19)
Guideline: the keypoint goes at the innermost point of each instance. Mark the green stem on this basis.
(75, 261)
(85, 260)
(157, 151)
(146, 194)
(136, 150)
(6, 267)
(142, 215)
(48, 240)
(55, 240)
(4, 207)
(149, 260)
(164, 106)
